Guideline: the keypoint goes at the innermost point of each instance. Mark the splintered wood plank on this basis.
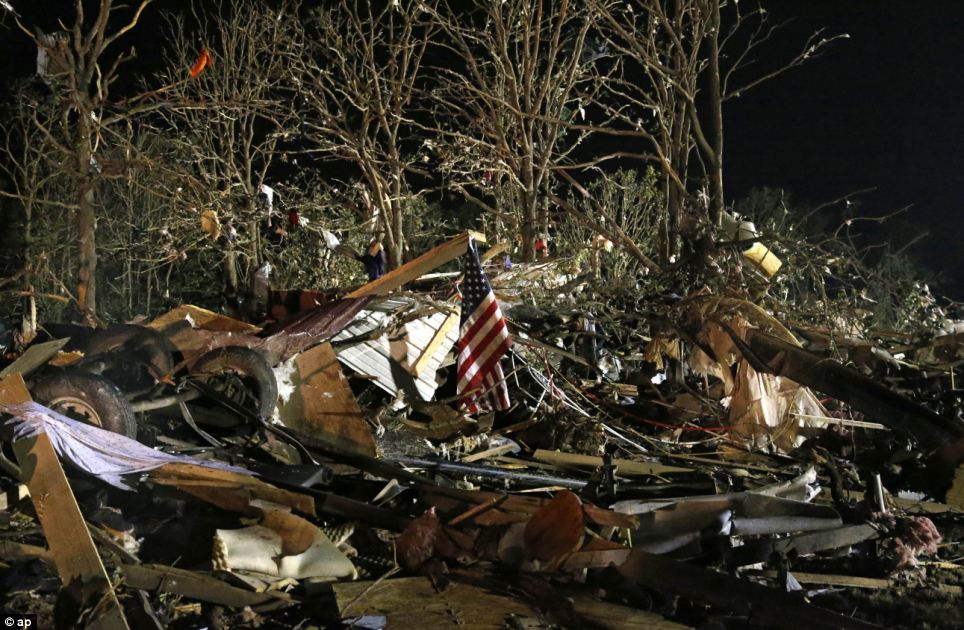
(321, 403)
(494, 251)
(437, 340)
(227, 489)
(35, 356)
(852, 581)
(203, 319)
(432, 259)
(71, 545)
(197, 586)
(624, 466)
(414, 603)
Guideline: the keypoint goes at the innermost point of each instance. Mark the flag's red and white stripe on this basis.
(483, 341)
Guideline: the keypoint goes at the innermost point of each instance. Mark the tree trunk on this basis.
(716, 116)
(678, 152)
(231, 281)
(85, 222)
(529, 227)
(396, 257)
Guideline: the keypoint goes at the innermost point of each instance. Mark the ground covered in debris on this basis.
(710, 460)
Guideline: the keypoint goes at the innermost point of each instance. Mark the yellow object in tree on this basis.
(210, 223)
(763, 259)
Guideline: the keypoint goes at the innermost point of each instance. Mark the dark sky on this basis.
(882, 109)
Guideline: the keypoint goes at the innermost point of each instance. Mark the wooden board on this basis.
(227, 489)
(624, 466)
(203, 319)
(35, 356)
(438, 339)
(432, 259)
(414, 603)
(68, 538)
(322, 404)
(197, 586)
(494, 251)
(911, 505)
(853, 581)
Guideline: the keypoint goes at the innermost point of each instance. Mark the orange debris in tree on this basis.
(203, 61)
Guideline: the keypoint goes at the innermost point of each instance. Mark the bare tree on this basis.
(34, 213)
(229, 121)
(360, 74)
(521, 81)
(680, 61)
(82, 87)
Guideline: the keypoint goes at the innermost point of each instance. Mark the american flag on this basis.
(484, 339)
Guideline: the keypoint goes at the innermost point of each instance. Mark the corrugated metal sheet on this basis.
(388, 357)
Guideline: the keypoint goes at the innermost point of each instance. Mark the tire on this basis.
(246, 364)
(87, 398)
(145, 345)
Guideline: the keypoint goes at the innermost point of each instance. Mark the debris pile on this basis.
(700, 462)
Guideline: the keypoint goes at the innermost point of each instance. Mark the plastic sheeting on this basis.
(106, 455)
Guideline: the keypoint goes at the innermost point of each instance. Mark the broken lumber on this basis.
(11, 551)
(432, 259)
(624, 466)
(34, 357)
(860, 392)
(198, 586)
(955, 496)
(437, 340)
(911, 505)
(852, 581)
(201, 318)
(228, 490)
(71, 546)
(415, 603)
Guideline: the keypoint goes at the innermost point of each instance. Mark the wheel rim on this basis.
(77, 409)
(235, 387)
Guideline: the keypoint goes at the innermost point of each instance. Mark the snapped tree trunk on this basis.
(715, 95)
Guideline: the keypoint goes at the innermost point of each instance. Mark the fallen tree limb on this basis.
(867, 396)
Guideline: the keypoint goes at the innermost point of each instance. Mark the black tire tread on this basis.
(247, 363)
(115, 412)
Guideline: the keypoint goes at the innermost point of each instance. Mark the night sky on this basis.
(881, 109)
